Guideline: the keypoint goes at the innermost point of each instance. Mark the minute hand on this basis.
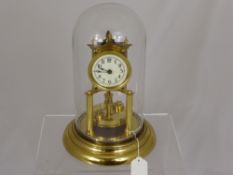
(100, 71)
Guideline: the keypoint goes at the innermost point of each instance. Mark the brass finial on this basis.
(109, 36)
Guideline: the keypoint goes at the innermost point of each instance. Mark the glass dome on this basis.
(91, 28)
(109, 62)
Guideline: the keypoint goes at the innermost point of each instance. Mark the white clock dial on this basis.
(109, 70)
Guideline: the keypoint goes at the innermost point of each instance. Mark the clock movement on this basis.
(109, 85)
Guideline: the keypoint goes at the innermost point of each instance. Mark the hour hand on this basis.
(100, 67)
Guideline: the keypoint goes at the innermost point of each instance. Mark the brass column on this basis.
(89, 96)
(129, 111)
(108, 103)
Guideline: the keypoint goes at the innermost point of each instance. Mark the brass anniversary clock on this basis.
(109, 119)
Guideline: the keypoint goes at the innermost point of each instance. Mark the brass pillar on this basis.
(108, 103)
(89, 96)
(129, 111)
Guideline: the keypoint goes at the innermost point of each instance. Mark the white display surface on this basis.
(53, 159)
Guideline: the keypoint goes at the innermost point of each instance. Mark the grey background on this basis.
(188, 74)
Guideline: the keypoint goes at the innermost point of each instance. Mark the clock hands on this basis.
(102, 70)
(100, 67)
(109, 71)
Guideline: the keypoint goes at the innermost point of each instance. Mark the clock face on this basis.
(109, 70)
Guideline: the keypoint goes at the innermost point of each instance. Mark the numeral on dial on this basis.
(109, 59)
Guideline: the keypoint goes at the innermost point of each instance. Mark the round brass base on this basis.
(108, 154)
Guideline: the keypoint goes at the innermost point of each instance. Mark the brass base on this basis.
(108, 154)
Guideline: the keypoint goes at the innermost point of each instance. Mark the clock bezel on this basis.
(98, 86)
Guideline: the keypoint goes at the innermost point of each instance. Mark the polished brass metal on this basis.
(108, 103)
(109, 114)
(117, 124)
(118, 107)
(105, 133)
(89, 112)
(118, 149)
(129, 111)
(113, 153)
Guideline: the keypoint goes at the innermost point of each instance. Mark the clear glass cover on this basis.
(91, 27)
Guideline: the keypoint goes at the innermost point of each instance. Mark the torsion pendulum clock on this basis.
(106, 127)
